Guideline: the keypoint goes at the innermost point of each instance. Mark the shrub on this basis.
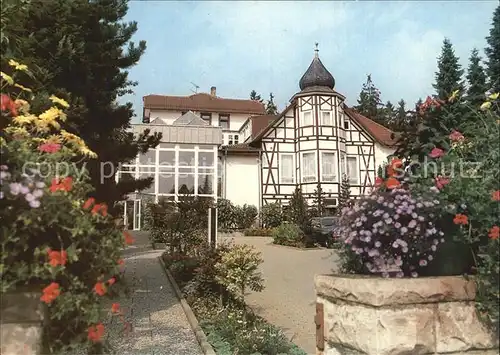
(394, 233)
(288, 234)
(259, 232)
(298, 211)
(271, 215)
(230, 216)
(247, 215)
(54, 238)
(238, 271)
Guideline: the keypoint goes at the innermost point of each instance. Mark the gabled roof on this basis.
(189, 119)
(260, 122)
(202, 102)
(381, 134)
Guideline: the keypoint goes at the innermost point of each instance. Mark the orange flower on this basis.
(111, 281)
(104, 209)
(100, 207)
(460, 219)
(88, 203)
(495, 195)
(115, 308)
(441, 182)
(6, 104)
(57, 257)
(494, 232)
(128, 238)
(100, 288)
(95, 333)
(392, 183)
(378, 181)
(50, 293)
(65, 184)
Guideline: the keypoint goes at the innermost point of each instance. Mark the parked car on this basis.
(325, 228)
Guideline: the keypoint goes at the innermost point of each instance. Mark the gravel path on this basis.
(159, 325)
(288, 300)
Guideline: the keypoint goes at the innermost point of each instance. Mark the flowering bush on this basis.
(54, 239)
(393, 232)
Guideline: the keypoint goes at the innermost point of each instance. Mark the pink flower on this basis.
(456, 136)
(441, 182)
(436, 153)
(49, 147)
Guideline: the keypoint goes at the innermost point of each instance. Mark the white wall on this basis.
(242, 180)
(236, 120)
(381, 154)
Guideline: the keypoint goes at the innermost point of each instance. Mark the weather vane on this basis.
(316, 50)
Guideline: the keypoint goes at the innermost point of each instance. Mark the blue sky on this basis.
(266, 46)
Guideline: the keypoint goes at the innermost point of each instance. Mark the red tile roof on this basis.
(260, 122)
(202, 102)
(382, 134)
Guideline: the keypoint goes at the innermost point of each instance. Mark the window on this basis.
(232, 139)
(343, 169)
(346, 123)
(224, 121)
(307, 119)
(286, 168)
(309, 167)
(207, 117)
(326, 118)
(328, 170)
(352, 170)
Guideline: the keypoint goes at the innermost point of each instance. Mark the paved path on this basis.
(159, 325)
(289, 299)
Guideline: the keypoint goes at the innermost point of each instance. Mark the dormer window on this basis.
(307, 119)
(207, 117)
(326, 118)
(224, 121)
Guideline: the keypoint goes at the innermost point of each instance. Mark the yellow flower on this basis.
(59, 101)
(24, 119)
(51, 114)
(54, 138)
(17, 131)
(7, 78)
(17, 65)
(485, 106)
(453, 96)
(87, 152)
(494, 96)
(42, 126)
(23, 88)
(22, 105)
(71, 138)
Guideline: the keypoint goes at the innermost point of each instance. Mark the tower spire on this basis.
(316, 55)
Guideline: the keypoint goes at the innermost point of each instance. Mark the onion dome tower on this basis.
(317, 77)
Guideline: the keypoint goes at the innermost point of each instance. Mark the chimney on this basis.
(213, 91)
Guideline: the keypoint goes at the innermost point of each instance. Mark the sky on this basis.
(240, 46)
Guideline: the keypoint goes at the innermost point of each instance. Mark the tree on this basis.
(449, 75)
(389, 113)
(318, 202)
(369, 102)
(345, 193)
(298, 210)
(476, 78)
(271, 108)
(493, 52)
(255, 97)
(81, 51)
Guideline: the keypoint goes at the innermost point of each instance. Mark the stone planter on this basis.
(22, 314)
(365, 315)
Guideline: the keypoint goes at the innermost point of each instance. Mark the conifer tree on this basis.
(298, 210)
(345, 194)
(493, 53)
(476, 79)
(319, 202)
(389, 114)
(449, 75)
(81, 50)
(369, 101)
(255, 97)
(271, 108)
(401, 119)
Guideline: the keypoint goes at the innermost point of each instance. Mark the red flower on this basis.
(494, 232)
(49, 147)
(378, 181)
(460, 219)
(392, 183)
(120, 262)
(100, 288)
(128, 238)
(57, 258)
(100, 207)
(495, 195)
(441, 182)
(115, 308)
(88, 203)
(436, 153)
(104, 209)
(50, 293)
(6, 104)
(456, 136)
(95, 333)
(111, 281)
(65, 184)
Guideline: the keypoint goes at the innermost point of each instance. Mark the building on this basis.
(215, 147)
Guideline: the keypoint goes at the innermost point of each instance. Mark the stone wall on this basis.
(366, 315)
(21, 315)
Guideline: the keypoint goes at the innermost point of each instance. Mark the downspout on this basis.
(225, 173)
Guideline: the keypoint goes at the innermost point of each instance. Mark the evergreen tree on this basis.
(80, 50)
(271, 108)
(298, 210)
(318, 202)
(493, 53)
(476, 78)
(449, 74)
(369, 102)
(345, 194)
(255, 97)
(389, 114)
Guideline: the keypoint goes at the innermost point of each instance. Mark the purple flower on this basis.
(391, 205)
(395, 245)
(40, 184)
(1, 195)
(368, 239)
(397, 225)
(430, 257)
(388, 221)
(442, 240)
(386, 215)
(35, 204)
(433, 247)
(412, 224)
(378, 244)
(399, 262)
(419, 205)
(421, 218)
(4, 167)
(15, 188)
(435, 242)
(396, 216)
(405, 250)
(24, 189)
(4, 175)
(38, 193)
(404, 230)
(414, 274)
(441, 233)
(422, 262)
(29, 197)
(414, 215)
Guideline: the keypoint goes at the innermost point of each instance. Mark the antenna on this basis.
(196, 87)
